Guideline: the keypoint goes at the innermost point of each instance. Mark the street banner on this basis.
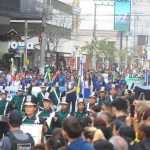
(122, 15)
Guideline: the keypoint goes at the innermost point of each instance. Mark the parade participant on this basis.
(15, 139)
(118, 85)
(47, 83)
(108, 86)
(31, 108)
(48, 112)
(55, 94)
(33, 83)
(94, 79)
(71, 93)
(61, 79)
(18, 100)
(72, 129)
(38, 80)
(100, 83)
(17, 82)
(92, 101)
(2, 81)
(5, 105)
(62, 114)
(41, 95)
(113, 93)
(81, 112)
(87, 87)
(102, 96)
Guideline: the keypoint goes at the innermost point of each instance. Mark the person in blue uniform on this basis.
(108, 86)
(100, 83)
(2, 81)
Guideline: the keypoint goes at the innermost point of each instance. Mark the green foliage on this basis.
(102, 48)
(122, 54)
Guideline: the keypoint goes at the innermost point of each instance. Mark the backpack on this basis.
(18, 144)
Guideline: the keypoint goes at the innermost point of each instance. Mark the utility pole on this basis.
(43, 35)
(94, 42)
(25, 53)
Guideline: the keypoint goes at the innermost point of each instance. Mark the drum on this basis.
(35, 130)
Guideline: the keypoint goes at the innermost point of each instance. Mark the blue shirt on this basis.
(80, 144)
(99, 84)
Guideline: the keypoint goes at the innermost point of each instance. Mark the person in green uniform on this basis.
(55, 94)
(113, 93)
(81, 112)
(18, 100)
(5, 105)
(41, 95)
(92, 101)
(62, 114)
(102, 96)
(30, 107)
(48, 113)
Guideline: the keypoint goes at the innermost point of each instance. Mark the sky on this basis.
(105, 16)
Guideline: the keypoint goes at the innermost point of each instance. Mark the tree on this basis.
(102, 48)
(122, 54)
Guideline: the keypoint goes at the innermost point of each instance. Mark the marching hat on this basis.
(63, 101)
(20, 88)
(113, 86)
(3, 92)
(102, 89)
(30, 100)
(47, 96)
(80, 100)
(43, 85)
(93, 94)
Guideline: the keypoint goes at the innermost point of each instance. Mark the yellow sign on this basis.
(27, 61)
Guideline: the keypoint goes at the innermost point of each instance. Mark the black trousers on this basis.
(71, 99)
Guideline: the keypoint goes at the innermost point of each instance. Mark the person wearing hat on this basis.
(18, 100)
(48, 113)
(92, 101)
(113, 93)
(81, 112)
(31, 108)
(102, 96)
(62, 114)
(55, 94)
(16, 139)
(5, 105)
(41, 95)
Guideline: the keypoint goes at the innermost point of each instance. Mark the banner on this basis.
(122, 15)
